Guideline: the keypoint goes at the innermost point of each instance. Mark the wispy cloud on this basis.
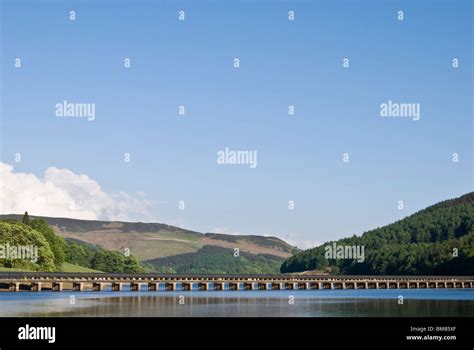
(226, 231)
(62, 193)
(300, 242)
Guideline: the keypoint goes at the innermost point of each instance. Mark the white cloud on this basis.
(297, 241)
(62, 193)
(300, 242)
(226, 231)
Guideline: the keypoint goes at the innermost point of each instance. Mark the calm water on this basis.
(324, 303)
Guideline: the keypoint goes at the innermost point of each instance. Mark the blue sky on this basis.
(283, 63)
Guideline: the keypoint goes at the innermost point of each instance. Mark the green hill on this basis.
(149, 241)
(32, 245)
(216, 260)
(100, 245)
(436, 240)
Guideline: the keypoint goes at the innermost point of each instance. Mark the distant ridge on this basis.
(79, 225)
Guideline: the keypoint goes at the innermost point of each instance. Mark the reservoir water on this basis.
(317, 303)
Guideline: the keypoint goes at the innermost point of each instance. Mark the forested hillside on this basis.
(436, 240)
(217, 260)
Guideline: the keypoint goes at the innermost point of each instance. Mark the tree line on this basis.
(54, 250)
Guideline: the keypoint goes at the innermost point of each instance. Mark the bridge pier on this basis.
(57, 287)
(220, 286)
(14, 287)
(170, 286)
(234, 286)
(302, 285)
(78, 286)
(153, 286)
(248, 286)
(135, 287)
(393, 285)
(275, 286)
(117, 287)
(97, 286)
(187, 286)
(326, 285)
(203, 286)
(36, 286)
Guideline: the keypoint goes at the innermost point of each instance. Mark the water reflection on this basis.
(242, 304)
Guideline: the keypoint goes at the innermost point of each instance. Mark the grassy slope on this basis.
(67, 267)
(164, 243)
(143, 245)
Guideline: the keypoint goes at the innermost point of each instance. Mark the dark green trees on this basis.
(14, 235)
(53, 250)
(436, 240)
(56, 243)
(26, 218)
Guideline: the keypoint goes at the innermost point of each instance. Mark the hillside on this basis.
(218, 260)
(435, 240)
(68, 267)
(153, 240)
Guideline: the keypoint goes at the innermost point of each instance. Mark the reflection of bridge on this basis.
(57, 281)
